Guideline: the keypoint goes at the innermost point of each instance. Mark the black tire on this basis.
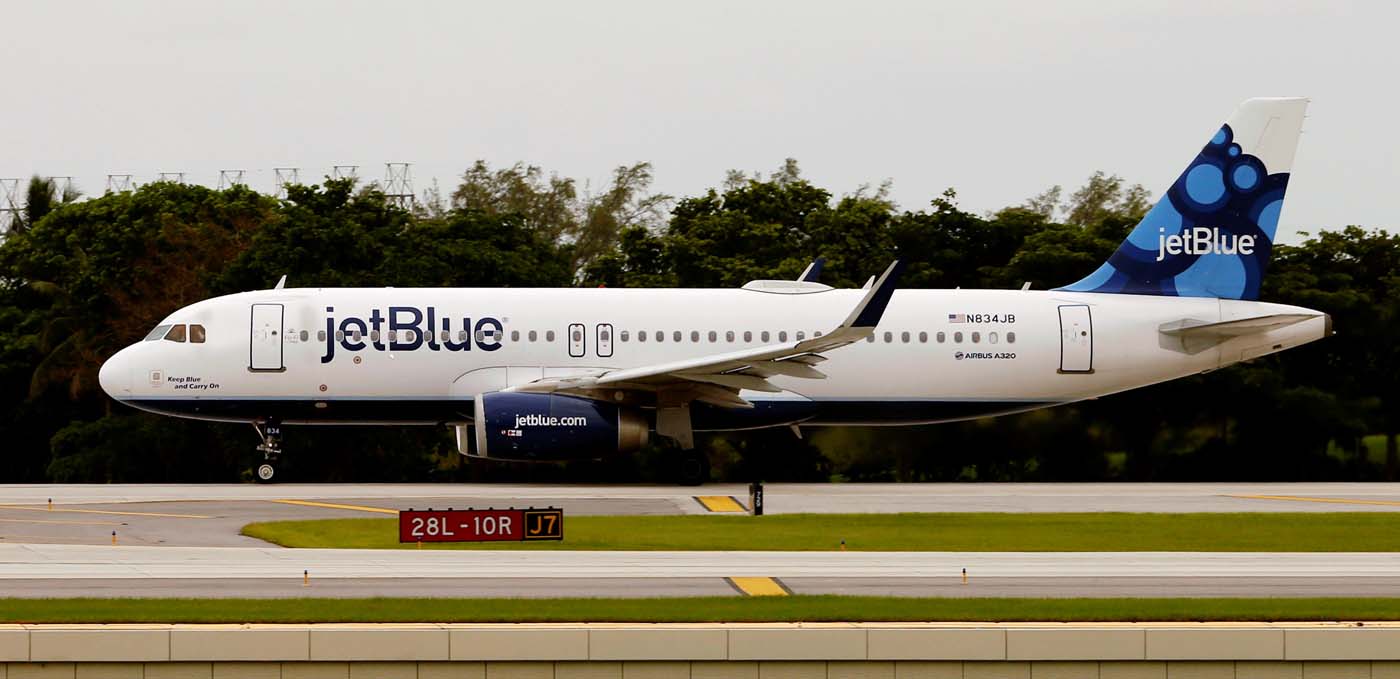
(265, 473)
(692, 468)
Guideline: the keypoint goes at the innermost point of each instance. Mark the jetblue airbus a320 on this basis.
(547, 374)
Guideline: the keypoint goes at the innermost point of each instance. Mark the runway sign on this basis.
(481, 525)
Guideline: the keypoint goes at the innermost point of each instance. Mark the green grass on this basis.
(1250, 532)
(705, 609)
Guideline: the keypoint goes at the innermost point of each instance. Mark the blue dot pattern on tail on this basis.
(1209, 236)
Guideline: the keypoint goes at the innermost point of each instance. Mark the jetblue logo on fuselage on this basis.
(406, 328)
(1202, 240)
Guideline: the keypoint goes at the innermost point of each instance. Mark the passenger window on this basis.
(904, 337)
(976, 337)
(992, 337)
(923, 338)
(197, 334)
(940, 336)
(374, 335)
(801, 335)
(158, 333)
(765, 336)
(694, 335)
(393, 335)
(1010, 338)
(577, 335)
(660, 336)
(748, 336)
(641, 335)
(515, 335)
(817, 334)
(176, 333)
(870, 338)
(957, 337)
(305, 336)
(889, 337)
(356, 334)
(340, 335)
(782, 335)
(729, 335)
(676, 336)
(625, 335)
(713, 336)
(549, 336)
(534, 336)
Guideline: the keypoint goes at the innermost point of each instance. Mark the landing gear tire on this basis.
(270, 432)
(693, 468)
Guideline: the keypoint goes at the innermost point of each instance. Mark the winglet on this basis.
(813, 271)
(867, 314)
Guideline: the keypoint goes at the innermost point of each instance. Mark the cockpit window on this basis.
(176, 334)
(158, 333)
(197, 334)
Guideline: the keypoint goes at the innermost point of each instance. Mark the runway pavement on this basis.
(786, 497)
(35, 570)
(183, 540)
(945, 586)
(211, 515)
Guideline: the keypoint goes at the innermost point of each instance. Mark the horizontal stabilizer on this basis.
(1235, 328)
(1193, 336)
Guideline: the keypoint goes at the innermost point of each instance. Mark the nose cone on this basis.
(115, 375)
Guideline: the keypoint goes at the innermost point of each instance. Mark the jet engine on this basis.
(520, 426)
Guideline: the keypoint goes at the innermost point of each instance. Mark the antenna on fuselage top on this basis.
(280, 282)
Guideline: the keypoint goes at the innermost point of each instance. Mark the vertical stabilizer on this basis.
(1212, 232)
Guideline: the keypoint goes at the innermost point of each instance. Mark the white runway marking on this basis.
(86, 561)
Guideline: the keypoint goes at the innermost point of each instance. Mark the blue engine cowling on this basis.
(512, 426)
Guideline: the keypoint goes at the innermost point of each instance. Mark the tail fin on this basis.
(1212, 232)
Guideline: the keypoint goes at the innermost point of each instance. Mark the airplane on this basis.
(554, 374)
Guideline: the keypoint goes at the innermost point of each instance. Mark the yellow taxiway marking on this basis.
(108, 512)
(1333, 500)
(71, 523)
(332, 505)
(720, 503)
(759, 586)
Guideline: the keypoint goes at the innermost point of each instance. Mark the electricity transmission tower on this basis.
(285, 176)
(230, 178)
(9, 210)
(398, 184)
(118, 183)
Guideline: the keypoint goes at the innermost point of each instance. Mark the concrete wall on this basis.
(746, 651)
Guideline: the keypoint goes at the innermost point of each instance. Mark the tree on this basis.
(553, 207)
(1102, 197)
(42, 196)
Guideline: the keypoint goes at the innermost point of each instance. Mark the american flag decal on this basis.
(957, 318)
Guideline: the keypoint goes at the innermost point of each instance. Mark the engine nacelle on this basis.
(511, 426)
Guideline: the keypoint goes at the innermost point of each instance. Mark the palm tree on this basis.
(41, 197)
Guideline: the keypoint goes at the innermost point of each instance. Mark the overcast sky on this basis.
(997, 99)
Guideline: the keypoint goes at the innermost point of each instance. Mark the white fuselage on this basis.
(936, 355)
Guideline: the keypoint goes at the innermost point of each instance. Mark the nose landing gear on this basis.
(271, 447)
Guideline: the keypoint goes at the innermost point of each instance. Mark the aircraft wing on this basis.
(718, 378)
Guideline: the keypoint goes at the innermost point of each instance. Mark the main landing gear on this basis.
(271, 447)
